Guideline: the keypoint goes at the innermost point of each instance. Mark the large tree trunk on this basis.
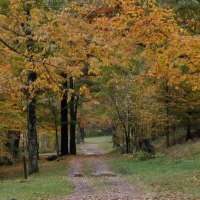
(73, 113)
(64, 121)
(31, 100)
(31, 122)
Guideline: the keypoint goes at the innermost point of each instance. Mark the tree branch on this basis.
(13, 31)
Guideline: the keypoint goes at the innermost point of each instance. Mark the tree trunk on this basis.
(24, 156)
(24, 167)
(80, 133)
(127, 130)
(72, 120)
(189, 136)
(64, 121)
(145, 146)
(127, 145)
(56, 129)
(57, 144)
(38, 146)
(127, 139)
(167, 134)
(167, 112)
(31, 100)
(31, 123)
(13, 142)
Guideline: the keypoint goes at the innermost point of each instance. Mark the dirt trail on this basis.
(93, 180)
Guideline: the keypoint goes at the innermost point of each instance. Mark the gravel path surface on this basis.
(99, 182)
(93, 180)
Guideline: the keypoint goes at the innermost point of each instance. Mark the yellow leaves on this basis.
(106, 35)
(94, 70)
(75, 71)
(164, 43)
(195, 88)
(83, 90)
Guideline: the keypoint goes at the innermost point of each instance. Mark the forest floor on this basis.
(49, 183)
(94, 180)
(100, 176)
(100, 172)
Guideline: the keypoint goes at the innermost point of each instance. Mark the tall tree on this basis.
(64, 119)
(73, 117)
(31, 123)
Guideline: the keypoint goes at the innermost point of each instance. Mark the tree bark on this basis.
(127, 144)
(189, 135)
(24, 156)
(24, 167)
(57, 143)
(64, 121)
(167, 112)
(31, 122)
(53, 109)
(80, 133)
(73, 113)
(31, 100)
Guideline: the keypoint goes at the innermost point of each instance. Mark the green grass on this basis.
(188, 150)
(104, 143)
(52, 181)
(99, 139)
(161, 174)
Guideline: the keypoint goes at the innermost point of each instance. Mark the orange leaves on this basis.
(147, 31)
(83, 89)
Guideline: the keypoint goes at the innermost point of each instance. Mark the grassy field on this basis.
(103, 142)
(51, 182)
(99, 139)
(176, 171)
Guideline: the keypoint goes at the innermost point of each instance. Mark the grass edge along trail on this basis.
(161, 175)
(51, 182)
